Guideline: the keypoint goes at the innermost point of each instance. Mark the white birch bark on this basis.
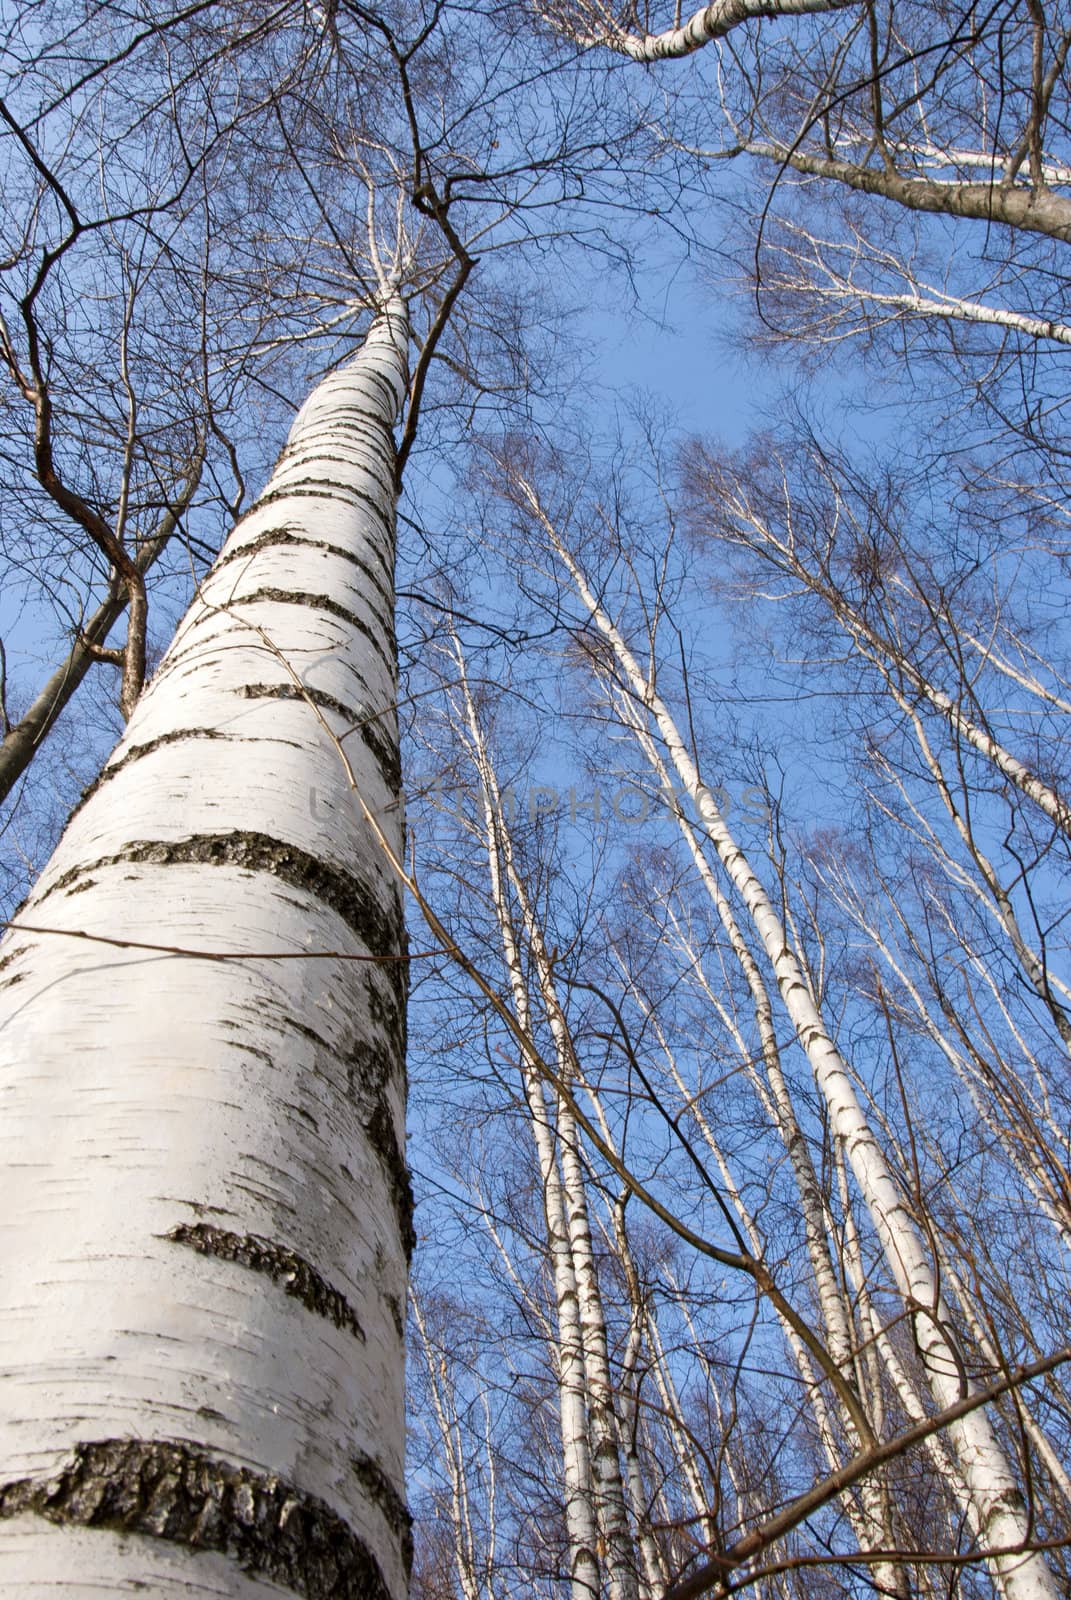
(991, 1482)
(474, 1565)
(607, 1478)
(1015, 1114)
(776, 1100)
(610, 1501)
(592, 24)
(581, 1527)
(204, 1206)
(1025, 1417)
(881, 1348)
(1034, 968)
(830, 273)
(867, 1518)
(605, 1464)
(655, 1572)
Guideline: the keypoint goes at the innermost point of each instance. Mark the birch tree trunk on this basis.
(205, 1211)
(580, 1521)
(569, 1191)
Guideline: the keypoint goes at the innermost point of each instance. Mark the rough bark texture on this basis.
(204, 1206)
(580, 1519)
(1029, 209)
(168, 1490)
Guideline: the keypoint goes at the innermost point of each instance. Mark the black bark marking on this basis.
(135, 753)
(382, 932)
(390, 1013)
(369, 1068)
(324, 602)
(383, 613)
(389, 391)
(274, 538)
(168, 1489)
(379, 1127)
(298, 1277)
(311, 454)
(394, 1305)
(306, 1032)
(378, 1487)
(381, 748)
(326, 491)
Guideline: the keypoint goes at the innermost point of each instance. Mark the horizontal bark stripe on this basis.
(378, 1487)
(341, 424)
(136, 751)
(351, 899)
(332, 485)
(390, 395)
(274, 537)
(327, 491)
(383, 749)
(324, 602)
(168, 1489)
(350, 445)
(295, 1276)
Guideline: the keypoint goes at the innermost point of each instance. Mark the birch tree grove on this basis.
(988, 1479)
(534, 1028)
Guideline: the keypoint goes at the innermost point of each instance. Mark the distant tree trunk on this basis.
(580, 1521)
(205, 1211)
(565, 1196)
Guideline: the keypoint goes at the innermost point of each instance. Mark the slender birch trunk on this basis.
(1025, 1417)
(867, 1519)
(605, 1462)
(610, 1499)
(581, 1528)
(1034, 968)
(1026, 1127)
(774, 1095)
(655, 1575)
(473, 1565)
(607, 1478)
(205, 1211)
(580, 1520)
(1002, 1518)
